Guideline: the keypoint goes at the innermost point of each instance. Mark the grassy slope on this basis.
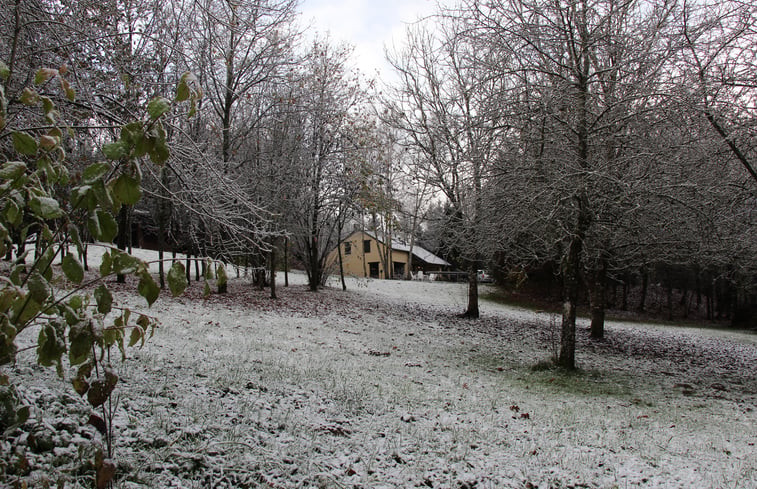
(383, 386)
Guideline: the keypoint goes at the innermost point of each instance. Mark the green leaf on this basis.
(116, 150)
(45, 208)
(51, 345)
(24, 143)
(144, 322)
(66, 87)
(127, 189)
(93, 224)
(66, 312)
(81, 337)
(143, 145)
(104, 299)
(103, 195)
(5, 72)
(137, 334)
(102, 226)
(206, 291)
(84, 198)
(124, 263)
(221, 277)
(111, 336)
(81, 386)
(95, 172)
(72, 268)
(39, 288)
(25, 309)
(76, 302)
(29, 97)
(192, 109)
(131, 133)
(13, 214)
(147, 287)
(64, 177)
(44, 165)
(47, 104)
(157, 107)
(47, 234)
(182, 89)
(3, 241)
(106, 265)
(73, 235)
(44, 74)
(45, 261)
(7, 343)
(11, 170)
(177, 279)
(158, 151)
(188, 88)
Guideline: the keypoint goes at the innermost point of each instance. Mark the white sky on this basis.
(368, 25)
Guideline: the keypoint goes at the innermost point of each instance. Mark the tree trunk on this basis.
(129, 224)
(161, 248)
(571, 277)
(161, 273)
(121, 238)
(315, 277)
(598, 299)
(85, 260)
(644, 286)
(709, 297)
(286, 262)
(341, 266)
(472, 312)
(273, 272)
(669, 293)
(698, 283)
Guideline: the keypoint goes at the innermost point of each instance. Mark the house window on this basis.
(347, 248)
(366, 246)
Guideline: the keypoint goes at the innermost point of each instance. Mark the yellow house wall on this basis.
(357, 263)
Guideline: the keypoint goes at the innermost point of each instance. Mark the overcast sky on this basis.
(368, 25)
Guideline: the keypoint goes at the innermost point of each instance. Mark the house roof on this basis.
(418, 251)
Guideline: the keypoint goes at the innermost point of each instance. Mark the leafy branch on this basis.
(40, 198)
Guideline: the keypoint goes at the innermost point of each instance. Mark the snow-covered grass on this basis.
(384, 386)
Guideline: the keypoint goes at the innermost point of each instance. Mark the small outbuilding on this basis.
(365, 254)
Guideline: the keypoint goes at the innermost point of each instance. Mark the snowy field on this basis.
(383, 386)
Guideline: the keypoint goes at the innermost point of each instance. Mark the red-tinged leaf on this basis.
(105, 473)
(98, 423)
(43, 75)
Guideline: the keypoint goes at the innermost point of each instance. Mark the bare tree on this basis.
(719, 71)
(582, 73)
(328, 102)
(445, 108)
(241, 48)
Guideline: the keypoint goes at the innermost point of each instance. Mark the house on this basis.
(365, 254)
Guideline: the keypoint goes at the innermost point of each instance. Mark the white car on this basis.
(483, 276)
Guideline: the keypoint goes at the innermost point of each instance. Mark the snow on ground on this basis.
(384, 386)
